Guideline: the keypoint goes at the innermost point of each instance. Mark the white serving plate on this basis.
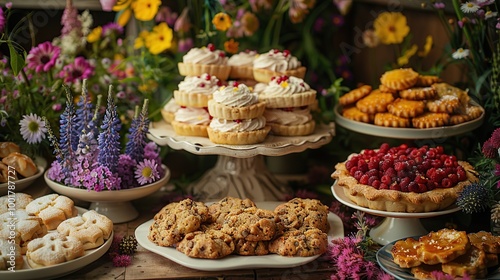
(54, 271)
(235, 261)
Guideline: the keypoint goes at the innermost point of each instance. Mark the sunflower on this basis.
(391, 28)
(222, 21)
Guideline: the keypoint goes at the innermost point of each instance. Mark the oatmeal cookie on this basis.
(175, 220)
(304, 242)
(252, 224)
(406, 108)
(430, 120)
(375, 102)
(390, 120)
(251, 248)
(354, 95)
(353, 113)
(418, 93)
(220, 209)
(211, 244)
(399, 79)
(300, 212)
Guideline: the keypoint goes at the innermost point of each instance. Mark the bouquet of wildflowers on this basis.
(88, 155)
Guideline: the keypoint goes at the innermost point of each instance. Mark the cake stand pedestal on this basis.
(396, 225)
(240, 170)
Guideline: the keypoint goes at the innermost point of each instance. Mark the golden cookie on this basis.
(406, 108)
(427, 80)
(354, 95)
(399, 79)
(486, 241)
(383, 88)
(418, 93)
(353, 113)
(375, 102)
(429, 120)
(443, 89)
(445, 104)
(390, 120)
(442, 246)
(467, 113)
(472, 263)
(404, 253)
(424, 271)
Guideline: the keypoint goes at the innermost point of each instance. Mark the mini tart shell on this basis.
(222, 111)
(168, 117)
(264, 75)
(241, 72)
(294, 100)
(185, 129)
(238, 138)
(196, 100)
(193, 69)
(397, 201)
(293, 130)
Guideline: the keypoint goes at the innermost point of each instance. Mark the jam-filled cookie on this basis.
(406, 108)
(430, 120)
(353, 113)
(390, 120)
(354, 95)
(399, 79)
(375, 102)
(418, 93)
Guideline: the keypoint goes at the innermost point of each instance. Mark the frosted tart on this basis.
(389, 178)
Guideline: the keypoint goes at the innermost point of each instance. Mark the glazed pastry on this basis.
(399, 79)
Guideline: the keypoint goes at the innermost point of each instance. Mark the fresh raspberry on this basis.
(403, 157)
(386, 179)
(446, 183)
(384, 148)
(420, 179)
(400, 165)
(211, 47)
(202, 85)
(208, 77)
(422, 188)
(436, 163)
(461, 173)
(395, 186)
(449, 162)
(376, 183)
(383, 186)
(431, 154)
(357, 175)
(371, 179)
(373, 163)
(391, 172)
(453, 178)
(363, 166)
(286, 53)
(413, 187)
(386, 164)
(364, 179)
(353, 170)
(404, 182)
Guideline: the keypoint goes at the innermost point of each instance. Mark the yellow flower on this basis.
(250, 23)
(405, 58)
(121, 5)
(391, 28)
(140, 41)
(124, 17)
(145, 10)
(159, 39)
(231, 46)
(222, 21)
(427, 47)
(94, 35)
(148, 86)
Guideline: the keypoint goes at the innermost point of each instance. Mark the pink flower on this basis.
(2, 20)
(185, 44)
(489, 149)
(107, 5)
(439, 5)
(166, 15)
(343, 6)
(78, 70)
(182, 23)
(121, 260)
(43, 57)
(495, 138)
(69, 20)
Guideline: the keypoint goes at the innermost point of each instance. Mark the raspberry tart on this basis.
(403, 178)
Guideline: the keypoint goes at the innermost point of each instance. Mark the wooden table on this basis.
(149, 265)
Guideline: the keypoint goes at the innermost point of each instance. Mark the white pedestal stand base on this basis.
(239, 177)
(396, 228)
(118, 212)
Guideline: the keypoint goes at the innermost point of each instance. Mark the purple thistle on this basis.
(109, 138)
(489, 149)
(83, 115)
(121, 260)
(137, 134)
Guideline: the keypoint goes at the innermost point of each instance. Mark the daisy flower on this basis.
(460, 53)
(469, 7)
(490, 14)
(146, 172)
(43, 57)
(32, 128)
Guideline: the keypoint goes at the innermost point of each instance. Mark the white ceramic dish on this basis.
(407, 133)
(58, 270)
(22, 184)
(386, 262)
(235, 261)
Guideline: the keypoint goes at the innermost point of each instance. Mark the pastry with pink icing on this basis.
(237, 116)
(276, 63)
(288, 106)
(205, 60)
(242, 65)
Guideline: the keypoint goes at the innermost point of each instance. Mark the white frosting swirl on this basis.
(205, 84)
(232, 96)
(171, 106)
(205, 55)
(284, 85)
(242, 59)
(238, 125)
(276, 61)
(293, 116)
(192, 115)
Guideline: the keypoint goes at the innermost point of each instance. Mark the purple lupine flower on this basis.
(43, 57)
(109, 138)
(125, 169)
(84, 114)
(138, 134)
(78, 70)
(66, 126)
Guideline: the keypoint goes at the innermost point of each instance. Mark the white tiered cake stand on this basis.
(240, 170)
(398, 225)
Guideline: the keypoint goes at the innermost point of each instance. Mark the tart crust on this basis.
(193, 69)
(295, 100)
(188, 99)
(397, 201)
(238, 138)
(222, 111)
(264, 75)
